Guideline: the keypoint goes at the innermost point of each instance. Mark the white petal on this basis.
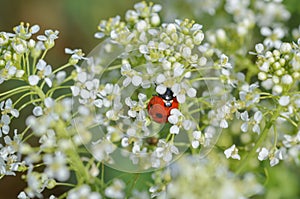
(174, 129)
(12, 70)
(75, 90)
(124, 142)
(160, 78)
(5, 129)
(41, 64)
(34, 29)
(180, 98)
(5, 119)
(191, 92)
(99, 35)
(256, 129)
(258, 116)
(176, 112)
(263, 154)
(176, 88)
(98, 103)
(186, 52)
(223, 124)
(82, 77)
(136, 80)
(156, 8)
(174, 149)
(37, 111)
(284, 100)
(229, 151)
(178, 69)
(195, 144)
(161, 89)
(259, 48)
(132, 113)
(14, 112)
(236, 156)
(47, 70)
(187, 124)
(126, 81)
(173, 119)
(274, 161)
(85, 94)
(48, 82)
(197, 135)
(33, 80)
(245, 116)
(143, 49)
(244, 127)
(49, 102)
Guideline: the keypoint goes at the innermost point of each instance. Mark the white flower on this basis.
(102, 149)
(116, 190)
(83, 191)
(45, 71)
(287, 79)
(161, 89)
(48, 38)
(284, 100)
(276, 157)
(56, 166)
(76, 55)
(232, 152)
(33, 80)
(37, 111)
(174, 129)
(263, 154)
(4, 124)
(22, 195)
(197, 139)
(164, 152)
(131, 75)
(8, 108)
(259, 48)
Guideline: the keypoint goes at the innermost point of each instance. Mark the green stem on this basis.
(61, 68)
(52, 90)
(65, 184)
(77, 165)
(16, 90)
(44, 54)
(63, 96)
(205, 78)
(22, 97)
(28, 103)
(39, 92)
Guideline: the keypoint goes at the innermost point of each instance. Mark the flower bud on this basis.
(287, 79)
(275, 79)
(262, 76)
(277, 89)
(285, 48)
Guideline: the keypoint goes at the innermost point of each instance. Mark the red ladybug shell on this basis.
(158, 111)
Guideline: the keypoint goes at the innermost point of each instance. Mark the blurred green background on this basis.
(77, 22)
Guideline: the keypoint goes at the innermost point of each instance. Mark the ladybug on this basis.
(159, 106)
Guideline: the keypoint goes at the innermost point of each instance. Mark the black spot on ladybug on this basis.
(159, 115)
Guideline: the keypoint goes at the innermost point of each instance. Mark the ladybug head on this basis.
(168, 95)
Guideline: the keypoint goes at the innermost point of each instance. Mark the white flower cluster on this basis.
(188, 174)
(154, 57)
